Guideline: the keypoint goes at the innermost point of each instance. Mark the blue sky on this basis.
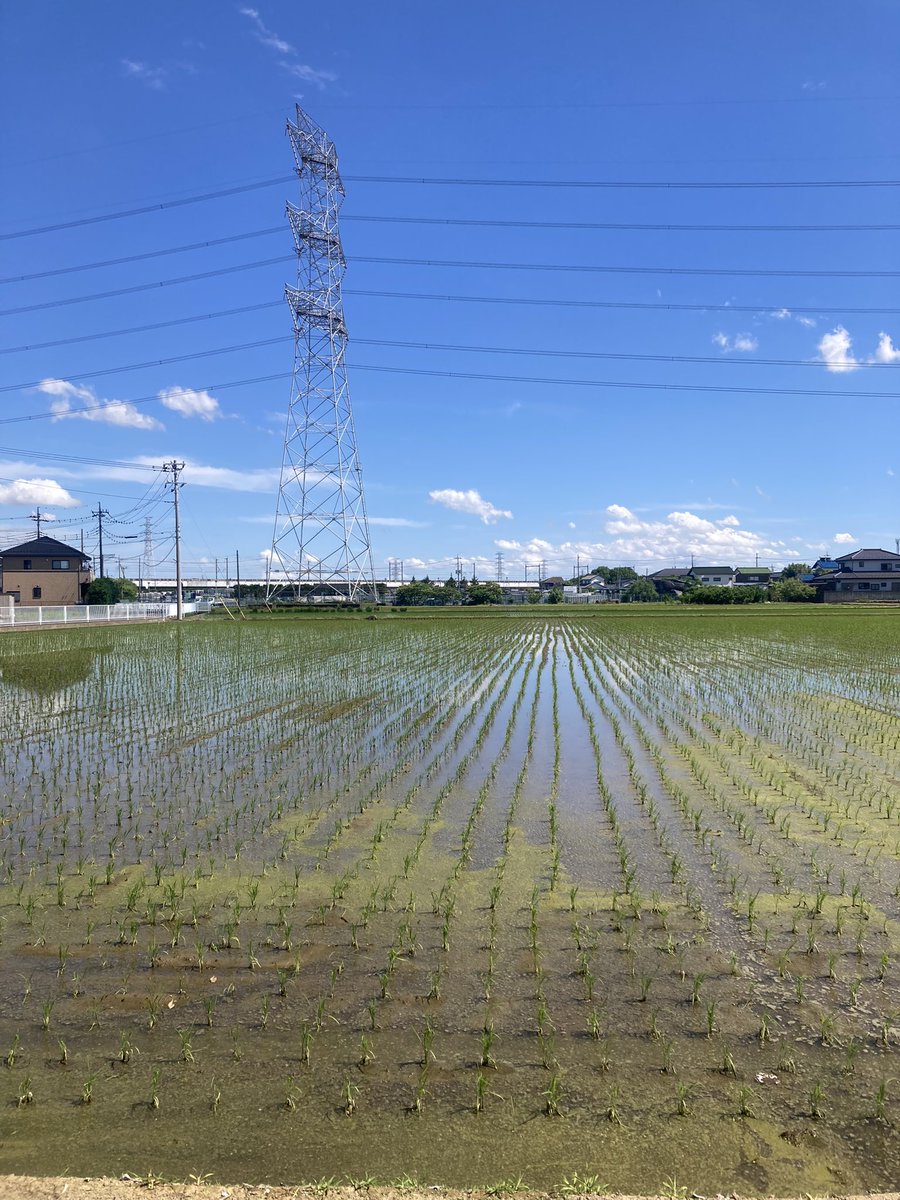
(643, 460)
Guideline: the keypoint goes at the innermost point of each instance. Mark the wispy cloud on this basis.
(152, 77)
(309, 74)
(289, 62)
(265, 35)
(109, 412)
(741, 343)
(469, 502)
(156, 78)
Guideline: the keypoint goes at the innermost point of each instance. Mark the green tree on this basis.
(533, 596)
(418, 593)
(640, 591)
(485, 593)
(621, 574)
(110, 591)
(709, 594)
(795, 570)
(793, 591)
(554, 596)
(753, 594)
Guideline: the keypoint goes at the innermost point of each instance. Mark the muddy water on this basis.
(260, 919)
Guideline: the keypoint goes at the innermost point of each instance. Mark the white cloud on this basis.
(836, 350)
(648, 544)
(109, 412)
(249, 479)
(741, 343)
(781, 314)
(309, 74)
(37, 491)
(265, 35)
(190, 403)
(807, 322)
(153, 77)
(886, 351)
(844, 539)
(572, 525)
(469, 502)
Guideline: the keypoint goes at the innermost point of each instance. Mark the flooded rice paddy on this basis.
(464, 899)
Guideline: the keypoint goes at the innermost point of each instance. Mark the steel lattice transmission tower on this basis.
(321, 533)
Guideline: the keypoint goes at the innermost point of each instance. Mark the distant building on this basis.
(713, 576)
(44, 571)
(750, 576)
(863, 576)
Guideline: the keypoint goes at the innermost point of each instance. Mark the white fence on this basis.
(91, 614)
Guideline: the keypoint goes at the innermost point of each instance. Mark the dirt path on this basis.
(25, 1187)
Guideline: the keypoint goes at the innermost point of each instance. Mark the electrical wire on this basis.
(376, 260)
(450, 298)
(457, 181)
(597, 383)
(613, 226)
(717, 360)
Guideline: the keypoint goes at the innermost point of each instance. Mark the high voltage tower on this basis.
(321, 534)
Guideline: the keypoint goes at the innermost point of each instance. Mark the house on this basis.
(713, 576)
(669, 581)
(752, 576)
(44, 571)
(865, 576)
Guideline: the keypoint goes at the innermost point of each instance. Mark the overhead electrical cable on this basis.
(146, 208)
(462, 181)
(625, 185)
(466, 222)
(597, 383)
(659, 306)
(579, 268)
(718, 360)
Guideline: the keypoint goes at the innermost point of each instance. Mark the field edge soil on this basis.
(31, 1187)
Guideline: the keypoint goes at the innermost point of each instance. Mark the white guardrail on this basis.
(91, 614)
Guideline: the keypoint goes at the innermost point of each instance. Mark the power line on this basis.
(146, 208)
(219, 387)
(76, 458)
(598, 383)
(460, 181)
(579, 268)
(627, 386)
(624, 185)
(718, 360)
(466, 222)
(144, 287)
(450, 298)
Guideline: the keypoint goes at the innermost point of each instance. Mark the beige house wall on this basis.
(57, 587)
